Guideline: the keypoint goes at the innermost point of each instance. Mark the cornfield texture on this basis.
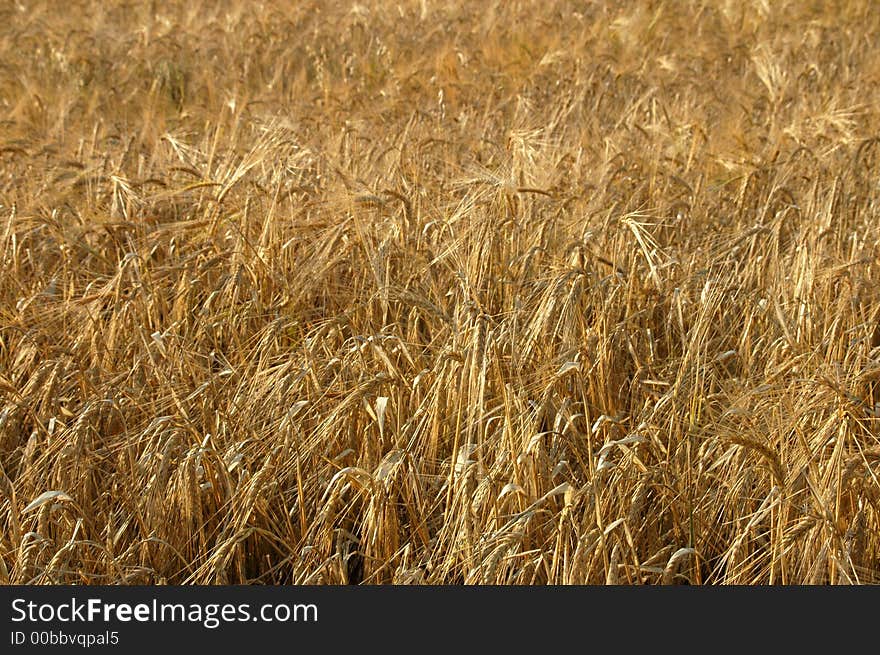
(440, 292)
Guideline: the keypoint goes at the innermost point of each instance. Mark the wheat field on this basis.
(425, 292)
